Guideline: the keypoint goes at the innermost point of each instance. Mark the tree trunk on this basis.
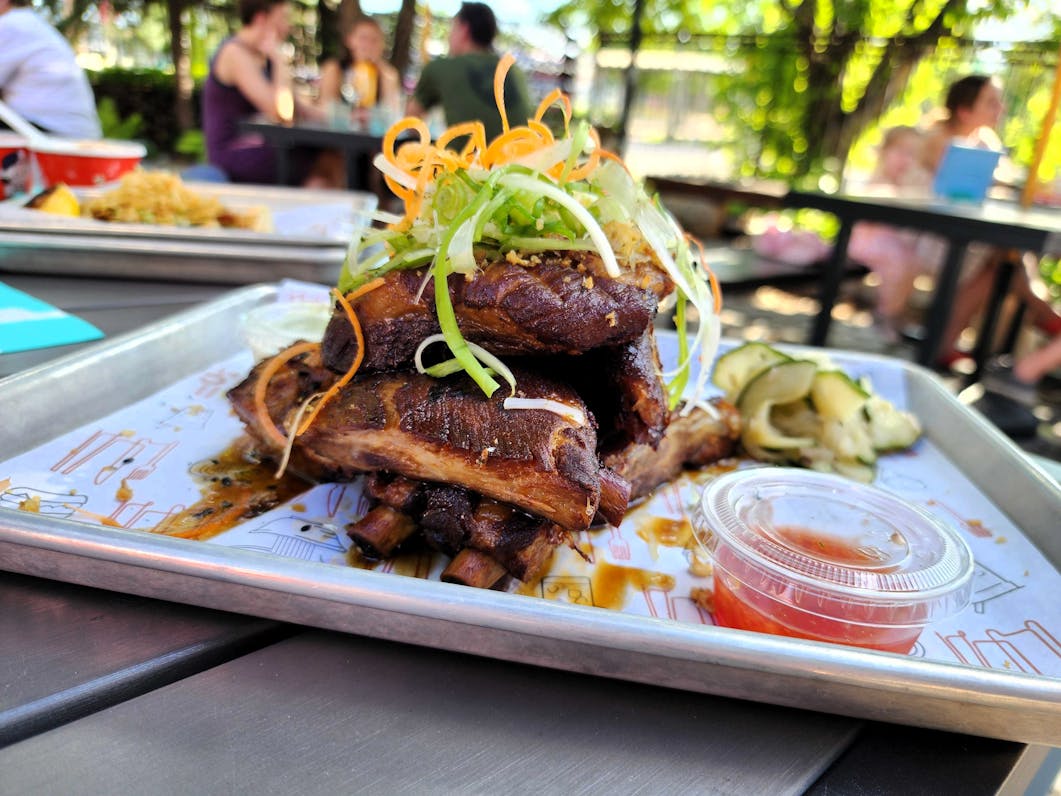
(182, 103)
(887, 82)
(630, 77)
(401, 50)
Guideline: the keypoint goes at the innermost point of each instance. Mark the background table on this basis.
(357, 147)
(1000, 224)
(110, 693)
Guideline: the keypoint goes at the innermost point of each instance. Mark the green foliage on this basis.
(147, 92)
(191, 144)
(805, 80)
(1050, 269)
(113, 125)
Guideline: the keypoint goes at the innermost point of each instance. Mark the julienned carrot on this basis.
(344, 302)
(716, 288)
(554, 96)
(266, 374)
(422, 161)
(499, 86)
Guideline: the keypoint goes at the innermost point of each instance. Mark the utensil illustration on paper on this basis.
(989, 585)
(295, 537)
(1031, 648)
(663, 604)
(50, 504)
(214, 382)
(126, 450)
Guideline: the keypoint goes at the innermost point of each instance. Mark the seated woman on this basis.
(250, 77)
(362, 78)
(974, 109)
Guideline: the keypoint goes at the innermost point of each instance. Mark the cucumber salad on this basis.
(808, 413)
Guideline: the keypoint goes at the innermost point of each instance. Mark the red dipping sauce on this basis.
(815, 556)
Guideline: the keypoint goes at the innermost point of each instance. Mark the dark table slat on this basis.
(69, 650)
(324, 713)
(912, 760)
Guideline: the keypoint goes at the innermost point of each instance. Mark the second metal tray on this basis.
(37, 243)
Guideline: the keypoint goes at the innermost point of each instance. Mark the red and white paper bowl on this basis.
(86, 163)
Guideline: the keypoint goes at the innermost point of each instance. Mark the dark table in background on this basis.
(755, 194)
(358, 147)
(1000, 224)
(112, 693)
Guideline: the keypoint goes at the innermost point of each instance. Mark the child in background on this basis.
(897, 256)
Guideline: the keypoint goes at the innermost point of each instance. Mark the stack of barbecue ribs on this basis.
(495, 489)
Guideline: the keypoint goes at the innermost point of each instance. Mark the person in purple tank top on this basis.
(250, 77)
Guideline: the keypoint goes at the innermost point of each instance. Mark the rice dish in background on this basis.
(156, 197)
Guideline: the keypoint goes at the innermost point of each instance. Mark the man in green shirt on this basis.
(463, 82)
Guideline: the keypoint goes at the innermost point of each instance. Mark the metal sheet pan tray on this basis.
(79, 391)
(312, 230)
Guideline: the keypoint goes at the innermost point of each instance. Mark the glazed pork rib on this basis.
(453, 521)
(448, 431)
(623, 387)
(697, 439)
(553, 304)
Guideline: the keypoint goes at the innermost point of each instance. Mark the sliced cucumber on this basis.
(782, 383)
(836, 396)
(804, 412)
(797, 418)
(856, 471)
(849, 439)
(890, 428)
(736, 368)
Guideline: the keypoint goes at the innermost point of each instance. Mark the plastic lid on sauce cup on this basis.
(813, 555)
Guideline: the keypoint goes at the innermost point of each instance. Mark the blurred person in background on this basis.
(39, 76)
(1019, 377)
(462, 83)
(250, 77)
(973, 111)
(974, 108)
(362, 78)
(894, 254)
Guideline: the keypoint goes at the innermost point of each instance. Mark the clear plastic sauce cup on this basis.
(815, 556)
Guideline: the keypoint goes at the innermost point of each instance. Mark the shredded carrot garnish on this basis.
(552, 98)
(583, 171)
(716, 288)
(609, 155)
(421, 161)
(499, 86)
(474, 130)
(344, 302)
(266, 374)
(508, 146)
